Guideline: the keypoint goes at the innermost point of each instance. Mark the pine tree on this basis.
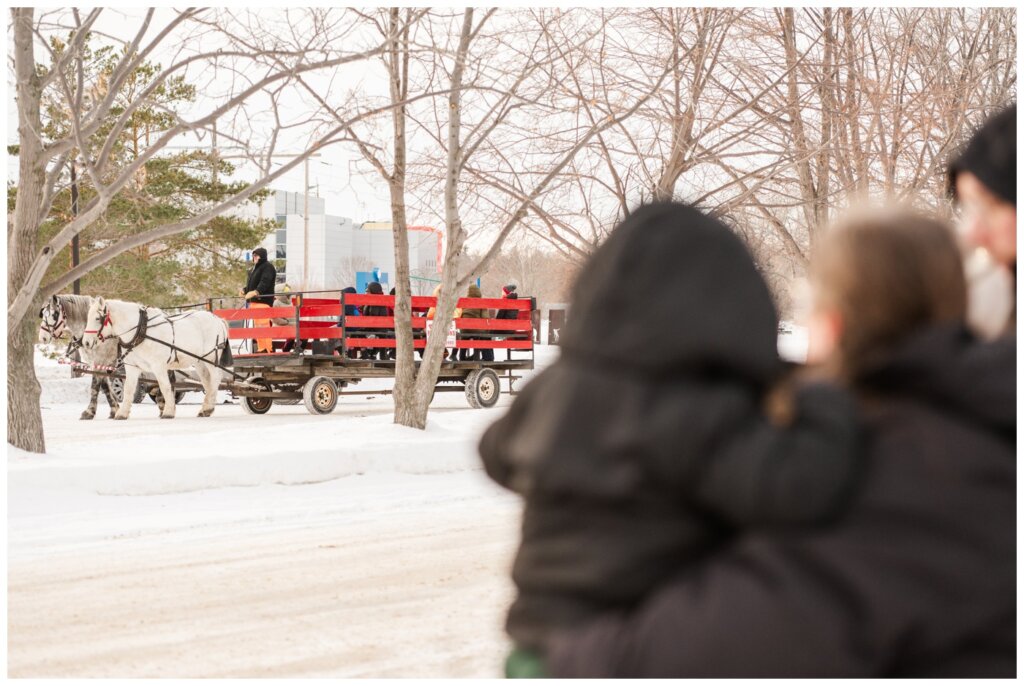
(184, 268)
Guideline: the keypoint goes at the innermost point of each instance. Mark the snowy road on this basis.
(373, 577)
(282, 545)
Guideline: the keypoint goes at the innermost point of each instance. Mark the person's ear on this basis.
(824, 331)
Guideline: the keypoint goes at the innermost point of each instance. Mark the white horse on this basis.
(66, 314)
(156, 342)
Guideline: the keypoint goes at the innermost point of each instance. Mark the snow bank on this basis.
(195, 460)
(56, 382)
(150, 456)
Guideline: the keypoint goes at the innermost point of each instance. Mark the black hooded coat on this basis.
(918, 578)
(261, 279)
(644, 445)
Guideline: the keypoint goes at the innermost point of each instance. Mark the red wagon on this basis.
(316, 348)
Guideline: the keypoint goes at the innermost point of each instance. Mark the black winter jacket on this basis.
(509, 314)
(350, 310)
(261, 279)
(644, 446)
(918, 579)
(374, 288)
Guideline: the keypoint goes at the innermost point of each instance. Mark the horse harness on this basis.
(141, 334)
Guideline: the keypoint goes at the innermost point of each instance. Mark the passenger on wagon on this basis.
(349, 311)
(374, 288)
(259, 291)
(456, 313)
(646, 445)
(508, 292)
(485, 354)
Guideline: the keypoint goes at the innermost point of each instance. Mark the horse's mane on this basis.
(76, 310)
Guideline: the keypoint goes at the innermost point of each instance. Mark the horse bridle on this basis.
(57, 329)
(104, 322)
(140, 330)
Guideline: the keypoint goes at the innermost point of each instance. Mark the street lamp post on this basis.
(77, 286)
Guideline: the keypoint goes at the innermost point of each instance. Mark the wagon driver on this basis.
(259, 291)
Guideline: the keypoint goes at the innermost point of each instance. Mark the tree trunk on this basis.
(826, 95)
(407, 400)
(405, 365)
(415, 414)
(24, 419)
(801, 149)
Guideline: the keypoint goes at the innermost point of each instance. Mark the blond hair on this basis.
(888, 273)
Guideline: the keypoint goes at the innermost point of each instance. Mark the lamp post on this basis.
(76, 287)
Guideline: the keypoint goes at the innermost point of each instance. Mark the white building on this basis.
(338, 249)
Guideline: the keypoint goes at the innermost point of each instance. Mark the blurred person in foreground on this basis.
(983, 182)
(918, 577)
(646, 446)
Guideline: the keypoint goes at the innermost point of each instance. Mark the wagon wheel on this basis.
(320, 395)
(141, 394)
(117, 388)
(116, 384)
(289, 401)
(257, 405)
(482, 388)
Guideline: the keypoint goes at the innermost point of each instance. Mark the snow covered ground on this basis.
(278, 545)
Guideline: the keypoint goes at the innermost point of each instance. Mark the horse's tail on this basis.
(226, 359)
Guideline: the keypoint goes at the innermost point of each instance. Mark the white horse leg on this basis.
(131, 382)
(210, 378)
(94, 391)
(164, 380)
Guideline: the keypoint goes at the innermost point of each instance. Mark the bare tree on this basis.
(776, 118)
(349, 267)
(491, 97)
(209, 44)
(543, 274)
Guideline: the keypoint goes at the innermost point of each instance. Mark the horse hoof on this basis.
(205, 413)
(86, 415)
(166, 416)
(116, 416)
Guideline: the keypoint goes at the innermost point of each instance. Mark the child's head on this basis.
(877, 278)
(673, 290)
